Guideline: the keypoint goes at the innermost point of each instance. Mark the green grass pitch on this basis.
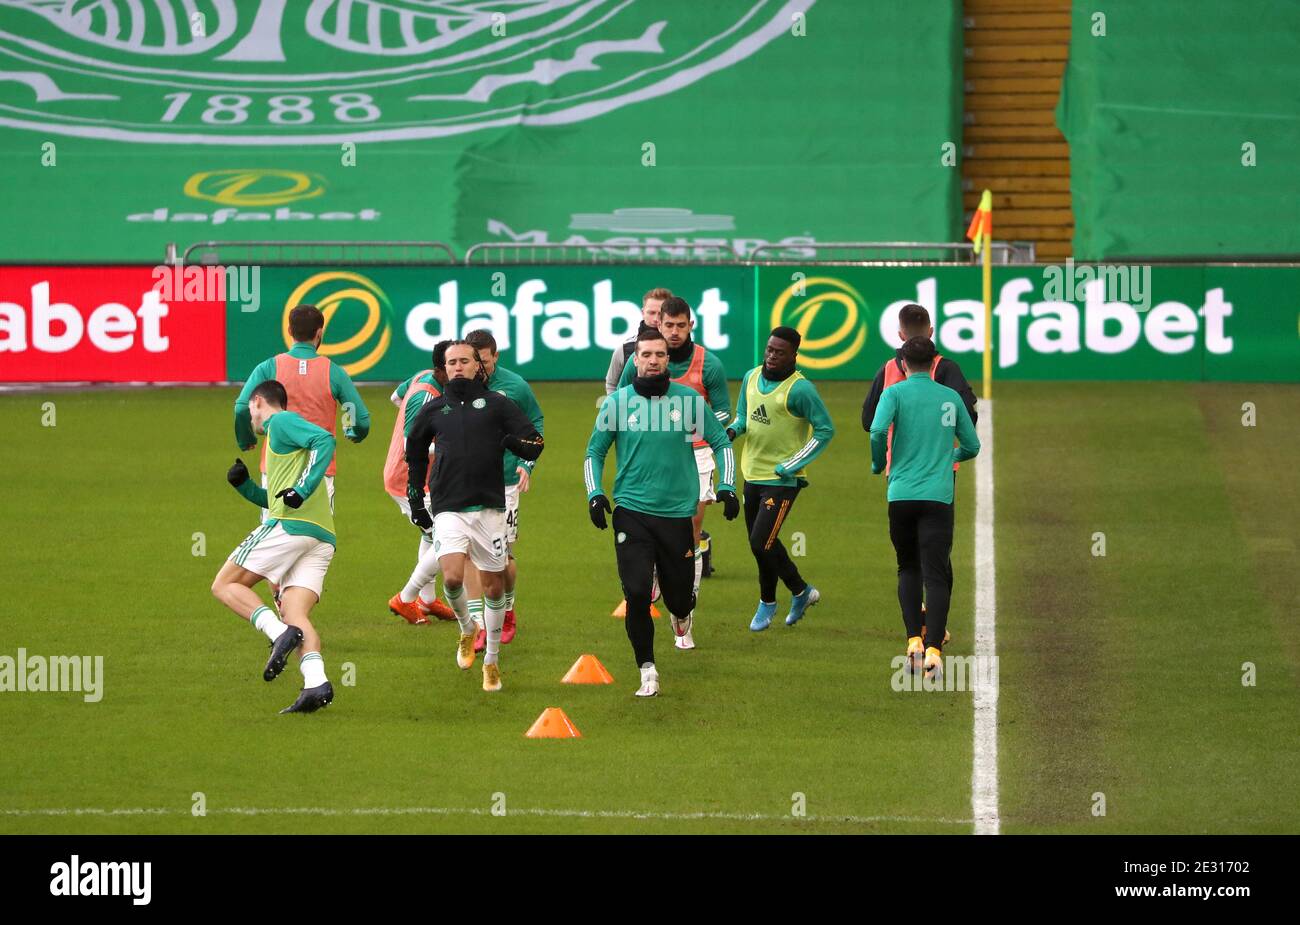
(1120, 675)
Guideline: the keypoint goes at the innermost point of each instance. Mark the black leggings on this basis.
(644, 543)
(922, 536)
(766, 507)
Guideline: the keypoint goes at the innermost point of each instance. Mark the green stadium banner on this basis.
(126, 124)
(549, 323)
(1184, 128)
(1050, 322)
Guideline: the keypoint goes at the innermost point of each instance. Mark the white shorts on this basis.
(329, 489)
(705, 465)
(284, 559)
(481, 534)
(512, 514)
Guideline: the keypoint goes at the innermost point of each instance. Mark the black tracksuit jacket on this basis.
(471, 435)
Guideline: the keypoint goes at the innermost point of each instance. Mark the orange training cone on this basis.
(553, 724)
(621, 610)
(587, 670)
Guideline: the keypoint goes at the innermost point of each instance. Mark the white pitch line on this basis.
(984, 772)
(479, 811)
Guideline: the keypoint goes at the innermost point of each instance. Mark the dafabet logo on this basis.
(830, 316)
(358, 318)
(238, 187)
(253, 195)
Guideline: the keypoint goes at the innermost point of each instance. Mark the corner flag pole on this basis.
(981, 232)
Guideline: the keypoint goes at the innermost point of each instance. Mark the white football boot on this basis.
(649, 681)
(686, 640)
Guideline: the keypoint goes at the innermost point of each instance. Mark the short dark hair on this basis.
(271, 390)
(440, 354)
(674, 307)
(918, 351)
(305, 321)
(787, 334)
(482, 340)
(650, 334)
(913, 318)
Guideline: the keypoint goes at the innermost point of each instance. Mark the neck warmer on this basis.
(651, 386)
(678, 354)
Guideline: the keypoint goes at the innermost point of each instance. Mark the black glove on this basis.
(731, 435)
(730, 504)
(238, 473)
(420, 514)
(291, 497)
(598, 508)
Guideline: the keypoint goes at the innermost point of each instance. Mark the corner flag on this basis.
(981, 223)
(981, 232)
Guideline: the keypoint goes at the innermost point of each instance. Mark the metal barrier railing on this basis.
(890, 253)
(271, 253)
(498, 253)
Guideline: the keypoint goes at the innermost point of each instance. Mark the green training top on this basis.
(512, 386)
(297, 455)
(715, 381)
(652, 438)
(785, 433)
(926, 417)
(341, 387)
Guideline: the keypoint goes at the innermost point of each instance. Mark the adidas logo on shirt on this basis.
(760, 415)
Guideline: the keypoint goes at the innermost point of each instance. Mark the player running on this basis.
(474, 427)
(914, 321)
(786, 426)
(651, 302)
(925, 418)
(518, 477)
(691, 365)
(292, 549)
(415, 605)
(653, 424)
(315, 386)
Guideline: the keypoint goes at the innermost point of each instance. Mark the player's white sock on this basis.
(510, 600)
(312, 667)
(425, 571)
(476, 611)
(429, 593)
(456, 601)
(699, 568)
(265, 620)
(494, 615)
